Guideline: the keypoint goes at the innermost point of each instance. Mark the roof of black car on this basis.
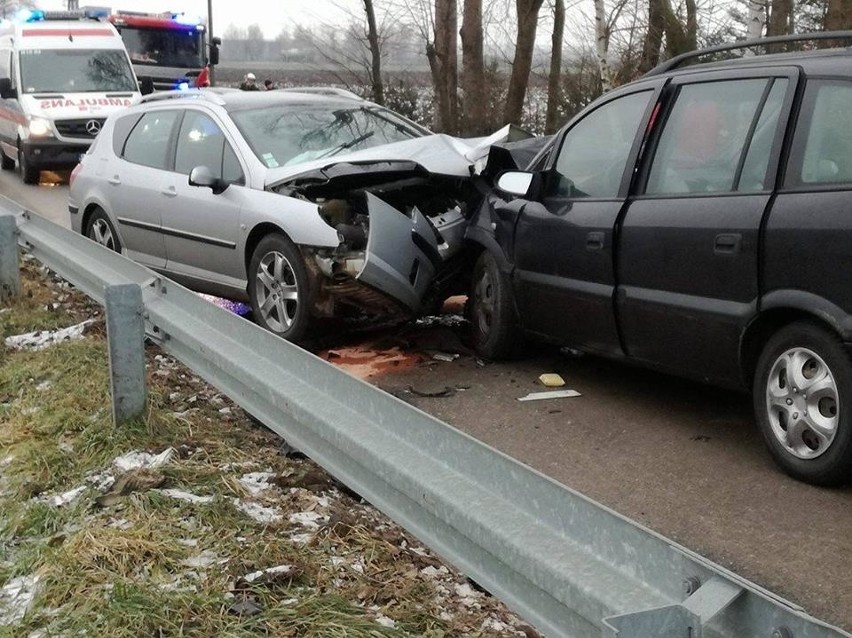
(819, 61)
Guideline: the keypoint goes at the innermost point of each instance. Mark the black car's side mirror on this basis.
(6, 90)
(518, 183)
(203, 176)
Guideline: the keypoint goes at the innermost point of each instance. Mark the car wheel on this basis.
(29, 174)
(101, 230)
(491, 310)
(279, 289)
(803, 403)
(6, 163)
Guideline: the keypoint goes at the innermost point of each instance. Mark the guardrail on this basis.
(568, 565)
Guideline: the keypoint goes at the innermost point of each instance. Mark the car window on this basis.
(5, 63)
(148, 142)
(594, 152)
(232, 172)
(753, 175)
(827, 135)
(703, 137)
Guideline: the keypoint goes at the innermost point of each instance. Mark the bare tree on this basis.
(375, 53)
(527, 12)
(602, 44)
(756, 18)
(254, 41)
(442, 53)
(554, 93)
(473, 70)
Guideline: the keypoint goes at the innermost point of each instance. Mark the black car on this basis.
(698, 221)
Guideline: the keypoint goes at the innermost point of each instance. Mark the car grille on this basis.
(77, 128)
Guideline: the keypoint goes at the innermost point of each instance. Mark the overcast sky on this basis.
(272, 16)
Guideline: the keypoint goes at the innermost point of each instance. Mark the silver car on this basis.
(305, 205)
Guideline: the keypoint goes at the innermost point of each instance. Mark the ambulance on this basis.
(61, 75)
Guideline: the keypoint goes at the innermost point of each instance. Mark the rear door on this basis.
(133, 181)
(688, 246)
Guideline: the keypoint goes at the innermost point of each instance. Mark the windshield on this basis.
(75, 71)
(283, 135)
(164, 47)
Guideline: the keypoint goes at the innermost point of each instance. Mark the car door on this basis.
(134, 180)
(688, 245)
(563, 244)
(11, 115)
(201, 227)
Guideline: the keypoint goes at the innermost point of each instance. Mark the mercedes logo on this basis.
(93, 127)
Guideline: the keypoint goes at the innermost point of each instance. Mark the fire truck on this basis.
(168, 50)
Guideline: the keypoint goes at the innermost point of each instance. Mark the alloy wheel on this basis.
(277, 291)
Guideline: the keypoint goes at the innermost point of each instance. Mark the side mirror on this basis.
(214, 51)
(515, 183)
(146, 86)
(203, 176)
(6, 90)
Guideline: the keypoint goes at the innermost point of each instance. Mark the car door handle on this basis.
(727, 243)
(115, 180)
(169, 191)
(595, 241)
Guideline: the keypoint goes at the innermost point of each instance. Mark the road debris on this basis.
(551, 380)
(444, 356)
(16, 596)
(447, 391)
(551, 394)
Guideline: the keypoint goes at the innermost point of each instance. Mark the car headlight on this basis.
(39, 127)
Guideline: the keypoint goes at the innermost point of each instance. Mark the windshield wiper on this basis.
(349, 144)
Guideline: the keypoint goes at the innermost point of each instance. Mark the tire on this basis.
(29, 174)
(279, 288)
(803, 403)
(6, 163)
(100, 229)
(491, 310)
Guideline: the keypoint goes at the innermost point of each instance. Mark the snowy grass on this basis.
(189, 521)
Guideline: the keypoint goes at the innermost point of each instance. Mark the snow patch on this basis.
(66, 497)
(42, 339)
(186, 496)
(257, 482)
(204, 559)
(135, 460)
(16, 596)
(310, 520)
(270, 571)
(259, 513)
(384, 621)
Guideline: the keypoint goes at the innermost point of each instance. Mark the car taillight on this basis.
(74, 174)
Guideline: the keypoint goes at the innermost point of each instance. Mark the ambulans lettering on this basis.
(84, 103)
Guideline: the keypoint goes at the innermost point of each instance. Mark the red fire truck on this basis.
(168, 50)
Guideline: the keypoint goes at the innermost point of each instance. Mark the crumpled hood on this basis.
(62, 106)
(439, 154)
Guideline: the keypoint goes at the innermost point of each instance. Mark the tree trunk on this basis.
(654, 37)
(443, 62)
(602, 44)
(375, 54)
(839, 15)
(527, 24)
(473, 70)
(554, 92)
(756, 19)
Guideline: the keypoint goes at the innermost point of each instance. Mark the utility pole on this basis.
(210, 38)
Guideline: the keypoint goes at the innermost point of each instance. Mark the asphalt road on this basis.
(681, 458)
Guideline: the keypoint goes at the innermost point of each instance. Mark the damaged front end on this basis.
(401, 231)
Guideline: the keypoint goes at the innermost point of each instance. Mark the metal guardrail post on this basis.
(126, 343)
(10, 281)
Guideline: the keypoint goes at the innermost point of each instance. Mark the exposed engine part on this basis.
(353, 235)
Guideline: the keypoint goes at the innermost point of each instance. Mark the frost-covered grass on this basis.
(188, 522)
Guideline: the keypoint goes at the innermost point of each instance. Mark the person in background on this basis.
(269, 85)
(249, 83)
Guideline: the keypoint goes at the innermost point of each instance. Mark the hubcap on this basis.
(483, 294)
(802, 402)
(277, 291)
(102, 233)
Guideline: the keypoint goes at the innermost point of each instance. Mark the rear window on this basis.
(75, 71)
(823, 144)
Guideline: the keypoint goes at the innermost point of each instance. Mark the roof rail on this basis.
(324, 90)
(678, 60)
(160, 96)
